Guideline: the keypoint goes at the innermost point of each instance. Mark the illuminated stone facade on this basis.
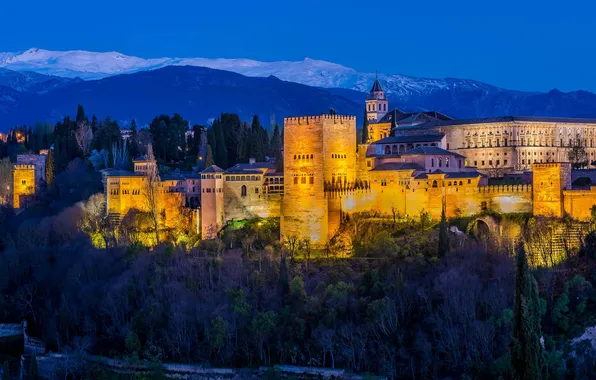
(23, 185)
(319, 155)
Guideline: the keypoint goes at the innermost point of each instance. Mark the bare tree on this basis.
(292, 242)
(151, 190)
(84, 136)
(577, 155)
(5, 180)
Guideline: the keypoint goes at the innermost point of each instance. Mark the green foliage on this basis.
(209, 159)
(443, 235)
(132, 343)
(559, 313)
(526, 351)
(218, 333)
(32, 371)
(6, 371)
(50, 175)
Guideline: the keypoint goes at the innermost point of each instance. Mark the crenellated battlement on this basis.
(23, 167)
(505, 189)
(550, 165)
(316, 119)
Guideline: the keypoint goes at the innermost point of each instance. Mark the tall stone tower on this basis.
(376, 104)
(212, 201)
(549, 181)
(319, 153)
(23, 185)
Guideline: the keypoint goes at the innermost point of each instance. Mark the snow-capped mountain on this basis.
(92, 65)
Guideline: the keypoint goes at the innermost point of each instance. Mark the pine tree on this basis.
(365, 128)
(526, 350)
(94, 123)
(443, 235)
(276, 148)
(209, 159)
(50, 168)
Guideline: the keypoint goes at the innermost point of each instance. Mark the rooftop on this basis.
(409, 139)
(388, 166)
(431, 150)
(213, 169)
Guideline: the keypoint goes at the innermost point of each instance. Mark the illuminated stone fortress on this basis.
(411, 164)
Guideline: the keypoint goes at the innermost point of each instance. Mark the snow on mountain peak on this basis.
(312, 72)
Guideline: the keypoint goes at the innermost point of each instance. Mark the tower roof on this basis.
(376, 86)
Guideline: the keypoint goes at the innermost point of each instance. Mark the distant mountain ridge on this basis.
(316, 73)
(46, 87)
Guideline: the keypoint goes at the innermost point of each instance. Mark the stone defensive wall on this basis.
(316, 119)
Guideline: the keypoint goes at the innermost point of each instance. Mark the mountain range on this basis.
(44, 85)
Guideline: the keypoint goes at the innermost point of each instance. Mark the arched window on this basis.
(243, 191)
(440, 162)
(434, 183)
(432, 162)
(387, 149)
(461, 183)
(394, 149)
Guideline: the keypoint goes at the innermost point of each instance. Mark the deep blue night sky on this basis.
(521, 44)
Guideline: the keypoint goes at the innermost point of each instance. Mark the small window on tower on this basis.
(303, 180)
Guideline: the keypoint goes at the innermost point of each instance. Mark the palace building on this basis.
(496, 146)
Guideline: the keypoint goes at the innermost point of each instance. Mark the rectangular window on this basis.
(490, 162)
(303, 180)
(459, 164)
(312, 180)
(475, 163)
(469, 181)
(482, 163)
(295, 180)
(447, 146)
(498, 162)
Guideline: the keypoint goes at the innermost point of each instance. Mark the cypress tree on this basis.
(50, 168)
(256, 150)
(526, 350)
(220, 153)
(443, 235)
(80, 115)
(209, 159)
(365, 128)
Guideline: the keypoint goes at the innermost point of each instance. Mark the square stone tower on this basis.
(319, 154)
(212, 201)
(23, 185)
(549, 181)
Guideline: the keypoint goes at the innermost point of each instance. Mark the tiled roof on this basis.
(376, 86)
(473, 174)
(248, 171)
(409, 139)
(254, 165)
(213, 169)
(504, 119)
(386, 166)
(431, 150)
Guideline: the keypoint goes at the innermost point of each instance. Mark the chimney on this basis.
(251, 160)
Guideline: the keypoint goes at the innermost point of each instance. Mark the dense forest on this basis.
(395, 297)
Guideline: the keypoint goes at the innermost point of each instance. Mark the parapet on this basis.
(550, 165)
(316, 119)
(24, 167)
(505, 189)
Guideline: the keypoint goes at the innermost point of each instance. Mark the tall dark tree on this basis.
(50, 169)
(526, 350)
(258, 137)
(364, 136)
(32, 371)
(80, 115)
(276, 148)
(443, 235)
(94, 124)
(209, 159)
(6, 371)
(220, 153)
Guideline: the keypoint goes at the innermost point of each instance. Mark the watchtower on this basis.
(23, 185)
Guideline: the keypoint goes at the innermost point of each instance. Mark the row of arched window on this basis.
(339, 155)
(382, 107)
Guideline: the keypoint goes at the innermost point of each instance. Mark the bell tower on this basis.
(376, 104)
